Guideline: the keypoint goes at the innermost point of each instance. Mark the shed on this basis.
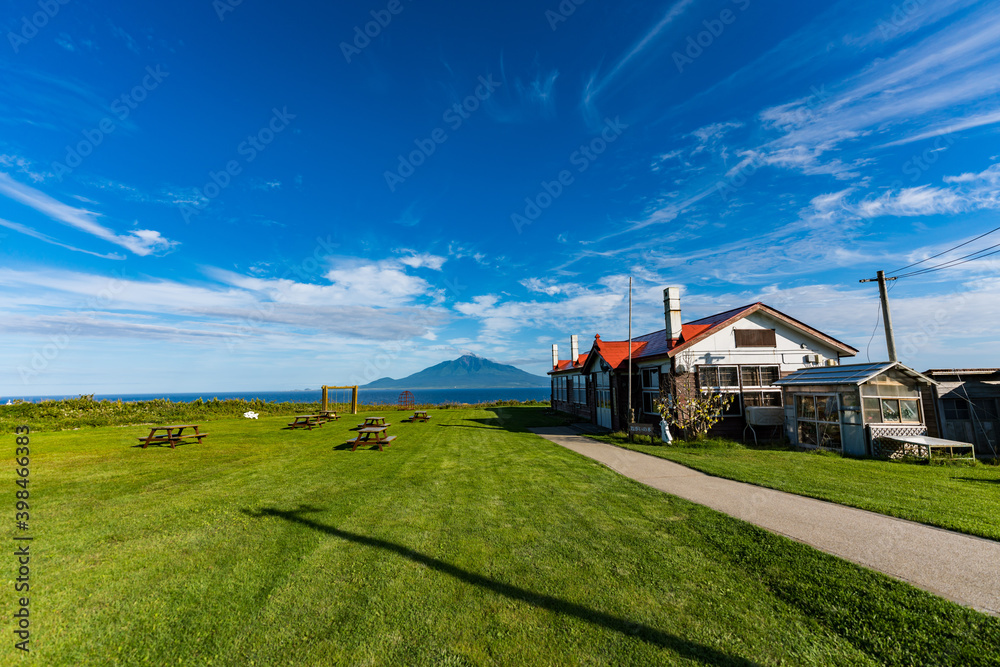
(844, 407)
(966, 406)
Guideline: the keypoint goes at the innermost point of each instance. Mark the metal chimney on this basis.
(672, 312)
(574, 348)
(555, 355)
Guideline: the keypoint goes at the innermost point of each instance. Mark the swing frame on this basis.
(354, 398)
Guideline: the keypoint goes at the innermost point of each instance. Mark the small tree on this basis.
(693, 416)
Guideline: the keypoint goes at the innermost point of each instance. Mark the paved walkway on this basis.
(958, 567)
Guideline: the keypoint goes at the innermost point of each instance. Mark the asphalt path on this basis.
(955, 566)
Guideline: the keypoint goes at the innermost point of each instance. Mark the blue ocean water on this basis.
(365, 396)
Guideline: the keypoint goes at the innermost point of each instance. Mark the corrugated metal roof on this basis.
(855, 374)
(962, 371)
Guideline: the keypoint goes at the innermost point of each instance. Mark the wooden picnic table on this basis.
(306, 421)
(328, 416)
(373, 435)
(374, 421)
(420, 416)
(173, 434)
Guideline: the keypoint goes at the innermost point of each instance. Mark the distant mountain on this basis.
(466, 372)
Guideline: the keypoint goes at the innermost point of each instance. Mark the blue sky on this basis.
(233, 196)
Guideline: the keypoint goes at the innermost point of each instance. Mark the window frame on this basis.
(650, 392)
(868, 409)
(814, 419)
(741, 389)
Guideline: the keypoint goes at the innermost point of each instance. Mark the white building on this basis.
(741, 351)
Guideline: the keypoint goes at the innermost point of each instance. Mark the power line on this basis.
(878, 320)
(964, 259)
(945, 252)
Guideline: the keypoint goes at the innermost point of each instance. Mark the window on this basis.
(755, 383)
(818, 420)
(722, 380)
(956, 408)
(580, 390)
(986, 408)
(561, 384)
(650, 390)
(762, 398)
(891, 410)
(755, 338)
(719, 377)
(602, 391)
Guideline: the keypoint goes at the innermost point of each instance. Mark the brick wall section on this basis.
(687, 387)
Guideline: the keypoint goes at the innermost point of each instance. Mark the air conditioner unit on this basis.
(758, 415)
(812, 358)
(831, 362)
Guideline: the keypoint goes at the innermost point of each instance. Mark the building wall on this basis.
(792, 351)
(928, 403)
(983, 429)
(583, 411)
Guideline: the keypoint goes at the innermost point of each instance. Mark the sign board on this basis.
(652, 430)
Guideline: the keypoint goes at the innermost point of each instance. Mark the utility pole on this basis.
(890, 339)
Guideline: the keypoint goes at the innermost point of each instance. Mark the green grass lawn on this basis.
(958, 496)
(469, 541)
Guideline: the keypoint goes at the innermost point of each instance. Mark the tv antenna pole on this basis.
(631, 414)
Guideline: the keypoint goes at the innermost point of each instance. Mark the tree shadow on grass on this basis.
(682, 647)
(977, 479)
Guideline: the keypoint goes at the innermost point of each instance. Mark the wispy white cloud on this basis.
(596, 85)
(950, 127)
(548, 287)
(416, 260)
(942, 72)
(38, 300)
(141, 241)
(967, 192)
(28, 231)
(519, 101)
(21, 165)
(922, 200)
(904, 18)
(351, 281)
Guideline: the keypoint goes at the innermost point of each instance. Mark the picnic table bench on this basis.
(373, 435)
(374, 421)
(173, 434)
(420, 416)
(328, 416)
(306, 421)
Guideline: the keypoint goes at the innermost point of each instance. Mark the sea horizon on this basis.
(365, 396)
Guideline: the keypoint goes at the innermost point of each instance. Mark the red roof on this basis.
(615, 352)
(568, 365)
(656, 344)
